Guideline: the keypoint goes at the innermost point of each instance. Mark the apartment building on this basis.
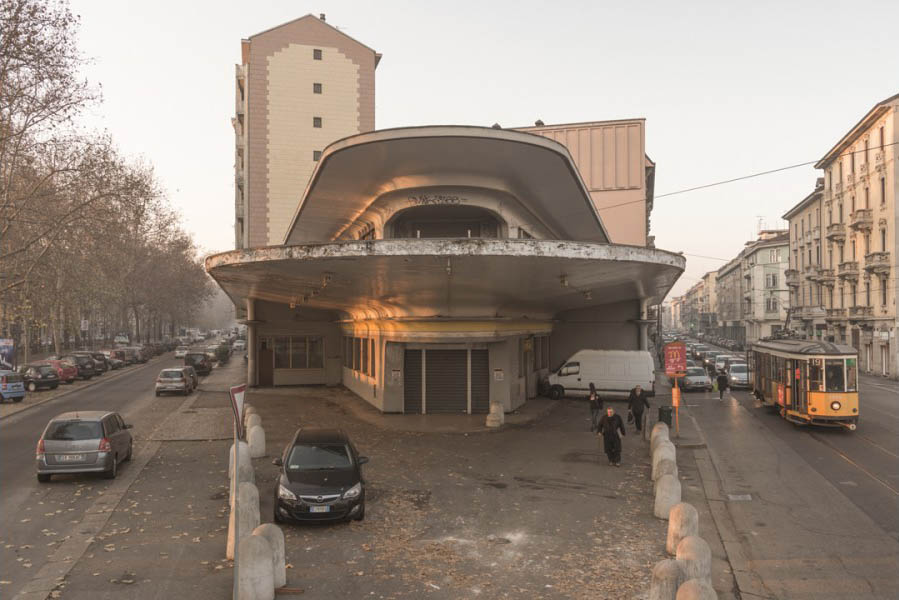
(730, 300)
(859, 209)
(708, 317)
(765, 297)
(299, 87)
(811, 275)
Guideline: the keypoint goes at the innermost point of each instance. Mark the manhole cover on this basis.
(739, 497)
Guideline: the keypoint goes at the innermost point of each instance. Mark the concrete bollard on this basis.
(696, 589)
(497, 415)
(242, 448)
(256, 441)
(659, 435)
(255, 580)
(667, 576)
(667, 495)
(253, 420)
(247, 514)
(694, 554)
(683, 521)
(666, 467)
(275, 538)
(664, 451)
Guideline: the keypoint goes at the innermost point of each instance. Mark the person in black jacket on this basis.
(609, 426)
(595, 408)
(636, 402)
(722, 384)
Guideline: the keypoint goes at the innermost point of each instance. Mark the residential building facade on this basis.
(859, 204)
(765, 297)
(811, 275)
(730, 300)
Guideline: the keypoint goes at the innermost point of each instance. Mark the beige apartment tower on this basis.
(299, 87)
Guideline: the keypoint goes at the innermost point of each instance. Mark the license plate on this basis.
(319, 509)
(70, 457)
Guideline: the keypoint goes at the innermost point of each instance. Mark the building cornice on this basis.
(879, 109)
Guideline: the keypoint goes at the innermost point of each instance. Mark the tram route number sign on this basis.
(675, 359)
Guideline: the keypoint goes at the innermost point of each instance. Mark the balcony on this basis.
(848, 270)
(810, 313)
(878, 262)
(816, 233)
(860, 313)
(836, 232)
(809, 271)
(238, 179)
(838, 188)
(835, 314)
(792, 276)
(862, 219)
(824, 276)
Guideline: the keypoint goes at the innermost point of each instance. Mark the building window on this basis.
(372, 354)
(852, 210)
(883, 191)
(853, 250)
(842, 299)
(883, 240)
(298, 352)
(867, 198)
(867, 244)
(771, 304)
(867, 293)
(771, 280)
(866, 151)
(316, 88)
(317, 122)
(840, 212)
(852, 292)
(852, 161)
(881, 138)
(883, 291)
(317, 54)
(316, 155)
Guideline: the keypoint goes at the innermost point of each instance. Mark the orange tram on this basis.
(808, 382)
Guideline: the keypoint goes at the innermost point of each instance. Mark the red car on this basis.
(67, 371)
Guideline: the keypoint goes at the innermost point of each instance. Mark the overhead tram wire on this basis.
(742, 178)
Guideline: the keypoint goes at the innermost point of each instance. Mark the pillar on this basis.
(252, 350)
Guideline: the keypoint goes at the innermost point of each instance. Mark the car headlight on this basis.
(285, 493)
(835, 405)
(353, 492)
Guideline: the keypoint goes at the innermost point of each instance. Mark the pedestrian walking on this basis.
(609, 426)
(595, 408)
(722, 384)
(636, 402)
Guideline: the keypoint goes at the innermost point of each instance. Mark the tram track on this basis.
(821, 440)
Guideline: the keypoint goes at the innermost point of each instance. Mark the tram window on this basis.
(815, 375)
(851, 375)
(833, 375)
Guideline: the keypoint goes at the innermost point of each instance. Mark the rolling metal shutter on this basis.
(412, 382)
(480, 382)
(446, 382)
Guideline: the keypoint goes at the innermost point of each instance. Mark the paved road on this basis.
(37, 518)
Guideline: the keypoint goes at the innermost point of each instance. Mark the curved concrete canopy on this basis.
(447, 278)
(355, 171)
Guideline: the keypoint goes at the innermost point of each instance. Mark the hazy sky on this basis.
(727, 89)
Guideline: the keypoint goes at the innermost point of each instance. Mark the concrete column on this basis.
(252, 351)
(644, 327)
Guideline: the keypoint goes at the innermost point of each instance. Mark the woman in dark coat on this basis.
(595, 407)
(722, 384)
(609, 426)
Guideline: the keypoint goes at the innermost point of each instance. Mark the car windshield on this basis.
(738, 368)
(182, 348)
(71, 431)
(171, 374)
(695, 372)
(319, 457)
(46, 370)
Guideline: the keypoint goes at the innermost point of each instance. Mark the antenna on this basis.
(761, 219)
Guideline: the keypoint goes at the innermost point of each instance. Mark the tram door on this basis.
(800, 387)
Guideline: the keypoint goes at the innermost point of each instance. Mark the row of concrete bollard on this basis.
(688, 576)
(261, 566)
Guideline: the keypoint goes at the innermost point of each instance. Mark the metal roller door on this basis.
(480, 382)
(446, 381)
(412, 382)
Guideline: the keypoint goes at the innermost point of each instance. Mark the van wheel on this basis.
(556, 392)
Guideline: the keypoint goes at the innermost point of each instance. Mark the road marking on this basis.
(849, 483)
(739, 497)
(855, 464)
(878, 446)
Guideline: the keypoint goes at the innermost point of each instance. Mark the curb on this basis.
(84, 387)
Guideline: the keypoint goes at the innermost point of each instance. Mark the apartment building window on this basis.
(852, 161)
(810, 256)
(853, 291)
(771, 280)
(795, 259)
(299, 352)
(866, 151)
(840, 212)
(830, 297)
(881, 138)
(316, 155)
(852, 210)
(883, 240)
(883, 291)
(842, 298)
(867, 198)
(770, 305)
(830, 179)
(867, 293)
(841, 254)
(772, 256)
(867, 244)
(830, 257)
(316, 88)
(817, 255)
(316, 54)
(883, 191)
(802, 221)
(830, 217)
(796, 230)
(317, 122)
(853, 251)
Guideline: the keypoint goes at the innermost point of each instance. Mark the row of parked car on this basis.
(720, 341)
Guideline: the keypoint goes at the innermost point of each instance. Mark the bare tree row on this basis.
(86, 234)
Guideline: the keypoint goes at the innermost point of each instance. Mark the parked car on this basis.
(92, 441)
(115, 364)
(720, 361)
(128, 354)
(613, 372)
(84, 364)
(173, 380)
(738, 376)
(192, 373)
(696, 379)
(66, 371)
(12, 386)
(199, 361)
(180, 351)
(732, 359)
(100, 364)
(38, 376)
(239, 346)
(320, 478)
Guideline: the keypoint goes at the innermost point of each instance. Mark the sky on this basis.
(727, 89)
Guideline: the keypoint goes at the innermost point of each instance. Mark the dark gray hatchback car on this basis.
(83, 442)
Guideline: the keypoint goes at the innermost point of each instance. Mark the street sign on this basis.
(7, 354)
(237, 396)
(85, 325)
(675, 359)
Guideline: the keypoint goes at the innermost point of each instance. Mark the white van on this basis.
(613, 372)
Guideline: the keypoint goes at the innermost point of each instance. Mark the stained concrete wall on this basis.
(605, 327)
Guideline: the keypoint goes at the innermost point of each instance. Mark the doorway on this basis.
(266, 364)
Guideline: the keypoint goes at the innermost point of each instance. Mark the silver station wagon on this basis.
(83, 442)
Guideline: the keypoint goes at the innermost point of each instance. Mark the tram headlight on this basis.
(835, 405)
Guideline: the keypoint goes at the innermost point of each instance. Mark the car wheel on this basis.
(556, 392)
(32, 387)
(113, 471)
(157, 394)
(361, 515)
(53, 387)
(43, 477)
(276, 516)
(130, 451)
